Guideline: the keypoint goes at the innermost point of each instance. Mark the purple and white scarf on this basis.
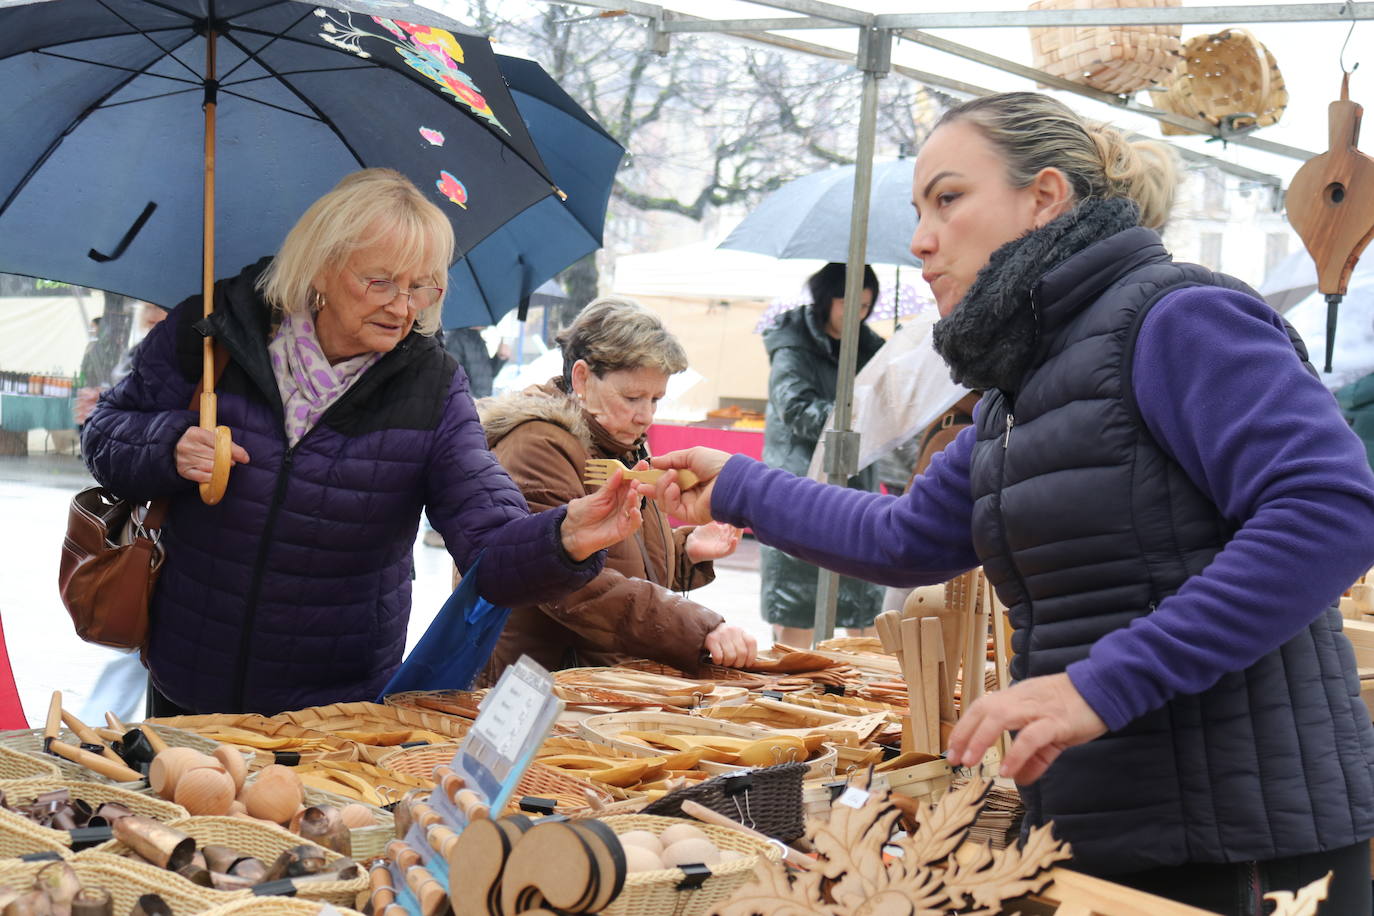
(307, 382)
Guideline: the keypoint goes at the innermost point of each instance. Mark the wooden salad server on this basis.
(1331, 206)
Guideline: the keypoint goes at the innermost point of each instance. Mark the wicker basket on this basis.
(1117, 59)
(1227, 79)
(30, 741)
(606, 729)
(654, 893)
(276, 906)
(461, 704)
(277, 736)
(377, 728)
(772, 803)
(572, 794)
(367, 841)
(927, 780)
(126, 881)
(17, 768)
(94, 793)
(262, 841)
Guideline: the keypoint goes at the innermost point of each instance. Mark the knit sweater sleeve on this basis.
(1221, 388)
(920, 538)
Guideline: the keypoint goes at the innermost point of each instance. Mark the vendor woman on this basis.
(1162, 492)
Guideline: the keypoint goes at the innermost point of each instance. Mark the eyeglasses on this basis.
(383, 292)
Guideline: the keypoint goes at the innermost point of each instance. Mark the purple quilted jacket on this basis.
(295, 589)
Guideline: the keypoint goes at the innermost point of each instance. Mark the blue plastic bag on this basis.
(457, 644)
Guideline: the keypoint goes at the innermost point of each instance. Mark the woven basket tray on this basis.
(927, 780)
(572, 794)
(126, 881)
(606, 729)
(384, 724)
(94, 793)
(655, 893)
(1119, 59)
(1225, 77)
(275, 906)
(16, 768)
(367, 841)
(262, 738)
(461, 704)
(30, 741)
(262, 841)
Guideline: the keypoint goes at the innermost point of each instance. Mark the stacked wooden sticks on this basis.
(940, 639)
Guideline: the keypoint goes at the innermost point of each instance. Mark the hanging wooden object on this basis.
(1331, 206)
(1121, 59)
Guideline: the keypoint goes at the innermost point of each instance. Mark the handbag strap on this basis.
(157, 509)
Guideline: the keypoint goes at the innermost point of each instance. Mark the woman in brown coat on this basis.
(617, 358)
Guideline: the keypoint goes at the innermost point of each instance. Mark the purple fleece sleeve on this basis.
(919, 538)
(1221, 388)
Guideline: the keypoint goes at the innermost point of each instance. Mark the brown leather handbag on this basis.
(111, 557)
(110, 561)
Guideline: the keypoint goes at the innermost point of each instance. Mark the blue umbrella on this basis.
(101, 163)
(509, 265)
(809, 217)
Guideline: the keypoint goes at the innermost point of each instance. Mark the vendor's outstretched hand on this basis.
(712, 542)
(600, 519)
(1049, 715)
(694, 505)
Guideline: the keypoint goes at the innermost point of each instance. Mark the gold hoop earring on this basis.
(317, 301)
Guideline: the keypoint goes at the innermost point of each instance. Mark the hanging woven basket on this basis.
(1117, 59)
(1228, 79)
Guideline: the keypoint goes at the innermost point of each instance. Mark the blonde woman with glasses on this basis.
(348, 419)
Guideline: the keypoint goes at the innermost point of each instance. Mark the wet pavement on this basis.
(45, 654)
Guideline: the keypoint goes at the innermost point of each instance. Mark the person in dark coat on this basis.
(804, 365)
(348, 419)
(1357, 406)
(1163, 494)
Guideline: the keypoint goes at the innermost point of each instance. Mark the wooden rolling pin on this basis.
(710, 816)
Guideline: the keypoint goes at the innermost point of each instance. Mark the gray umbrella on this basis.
(809, 217)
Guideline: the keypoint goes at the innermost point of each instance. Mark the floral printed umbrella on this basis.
(119, 111)
(101, 165)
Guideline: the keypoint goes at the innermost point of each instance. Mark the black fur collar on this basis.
(990, 338)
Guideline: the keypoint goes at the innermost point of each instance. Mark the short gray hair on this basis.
(365, 208)
(614, 333)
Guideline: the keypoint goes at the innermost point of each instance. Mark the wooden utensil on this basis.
(911, 672)
(1331, 206)
(88, 736)
(599, 470)
(711, 816)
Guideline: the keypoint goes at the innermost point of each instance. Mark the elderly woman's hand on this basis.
(1049, 715)
(712, 542)
(600, 519)
(195, 454)
(731, 646)
(694, 505)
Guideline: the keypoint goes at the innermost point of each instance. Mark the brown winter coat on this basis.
(543, 439)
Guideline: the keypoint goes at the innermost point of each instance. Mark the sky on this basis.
(1307, 55)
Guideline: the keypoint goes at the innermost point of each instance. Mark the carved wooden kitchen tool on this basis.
(1331, 206)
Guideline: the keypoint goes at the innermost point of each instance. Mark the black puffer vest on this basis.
(1084, 523)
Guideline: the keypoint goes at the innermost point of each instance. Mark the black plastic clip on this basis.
(536, 805)
(282, 887)
(414, 744)
(93, 748)
(836, 787)
(771, 694)
(693, 876)
(47, 855)
(834, 690)
(90, 836)
(287, 758)
(735, 783)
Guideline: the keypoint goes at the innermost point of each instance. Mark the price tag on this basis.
(514, 720)
(854, 797)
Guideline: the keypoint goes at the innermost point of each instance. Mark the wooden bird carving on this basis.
(1331, 206)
